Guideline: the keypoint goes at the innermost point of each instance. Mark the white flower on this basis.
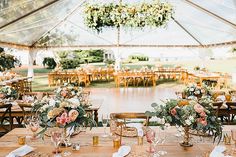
(52, 102)
(191, 118)
(191, 89)
(197, 92)
(188, 122)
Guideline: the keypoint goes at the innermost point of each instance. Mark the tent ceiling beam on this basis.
(181, 26)
(14, 45)
(28, 14)
(57, 24)
(211, 13)
(135, 46)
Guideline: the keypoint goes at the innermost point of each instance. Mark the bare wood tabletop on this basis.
(105, 148)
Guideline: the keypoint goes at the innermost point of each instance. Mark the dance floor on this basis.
(130, 99)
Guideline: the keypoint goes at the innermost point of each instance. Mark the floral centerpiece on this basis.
(68, 91)
(190, 115)
(193, 91)
(62, 112)
(7, 92)
(154, 14)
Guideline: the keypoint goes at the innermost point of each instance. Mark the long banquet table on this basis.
(105, 147)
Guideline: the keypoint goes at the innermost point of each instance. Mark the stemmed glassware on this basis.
(66, 141)
(26, 121)
(34, 126)
(150, 135)
(233, 134)
(104, 123)
(162, 138)
(56, 138)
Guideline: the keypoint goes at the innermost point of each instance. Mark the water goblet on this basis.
(34, 126)
(26, 121)
(104, 123)
(150, 135)
(162, 137)
(56, 138)
(66, 141)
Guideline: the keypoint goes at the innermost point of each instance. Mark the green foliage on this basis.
(139, 57)
(6, 61)
(110, 61)
(154, 14)
(69, 63)
(73, 59)
(49, 62)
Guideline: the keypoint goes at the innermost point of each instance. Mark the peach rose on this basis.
(198, 108)
(63, 93)
(73, 114)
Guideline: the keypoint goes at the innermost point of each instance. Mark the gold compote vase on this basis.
(186, 141)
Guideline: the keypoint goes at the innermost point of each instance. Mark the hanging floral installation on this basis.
(140, 15)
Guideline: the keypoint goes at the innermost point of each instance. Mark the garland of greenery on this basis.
(153, 14)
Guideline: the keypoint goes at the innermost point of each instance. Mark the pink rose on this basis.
(63, 119)
(203, 114)
(173, 112)
(198, 108)
(202, 121)
(73, 114)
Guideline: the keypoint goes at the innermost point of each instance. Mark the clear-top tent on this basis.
(195, 23)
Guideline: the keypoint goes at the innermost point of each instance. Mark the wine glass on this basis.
(104, 123)
(34, 126)
(56, 138)
(150, 135)
(233, 134)
(26, 121)
(66, 141)
(162, 138)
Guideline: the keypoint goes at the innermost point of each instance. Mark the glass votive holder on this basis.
(95, 140)
(116, 143)
(21, 140)
(140, 140)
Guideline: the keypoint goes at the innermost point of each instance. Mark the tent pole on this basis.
(31, 57)
(118, 56)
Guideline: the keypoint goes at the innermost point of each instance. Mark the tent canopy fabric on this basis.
(59, 23)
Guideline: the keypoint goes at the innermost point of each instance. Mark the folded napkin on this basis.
(218, 151)
(123, 151)
(20, 151)
(138, 126)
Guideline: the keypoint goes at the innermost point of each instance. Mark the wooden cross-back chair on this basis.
(221, 111)
(119, 122)
(6, 122)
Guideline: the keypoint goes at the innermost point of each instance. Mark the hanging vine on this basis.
(155, 14)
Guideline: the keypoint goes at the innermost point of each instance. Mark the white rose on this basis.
(188, 122)
(52, 102)
(191, 118)
(191, 89)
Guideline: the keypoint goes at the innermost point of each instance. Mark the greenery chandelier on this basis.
(140, 15)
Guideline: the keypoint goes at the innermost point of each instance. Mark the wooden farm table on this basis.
(210, 76)
(105, 147)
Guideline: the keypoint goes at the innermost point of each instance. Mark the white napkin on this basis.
(138, 126)
(20, 151)
(218, 151)
(123, 151)
(221, 98)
